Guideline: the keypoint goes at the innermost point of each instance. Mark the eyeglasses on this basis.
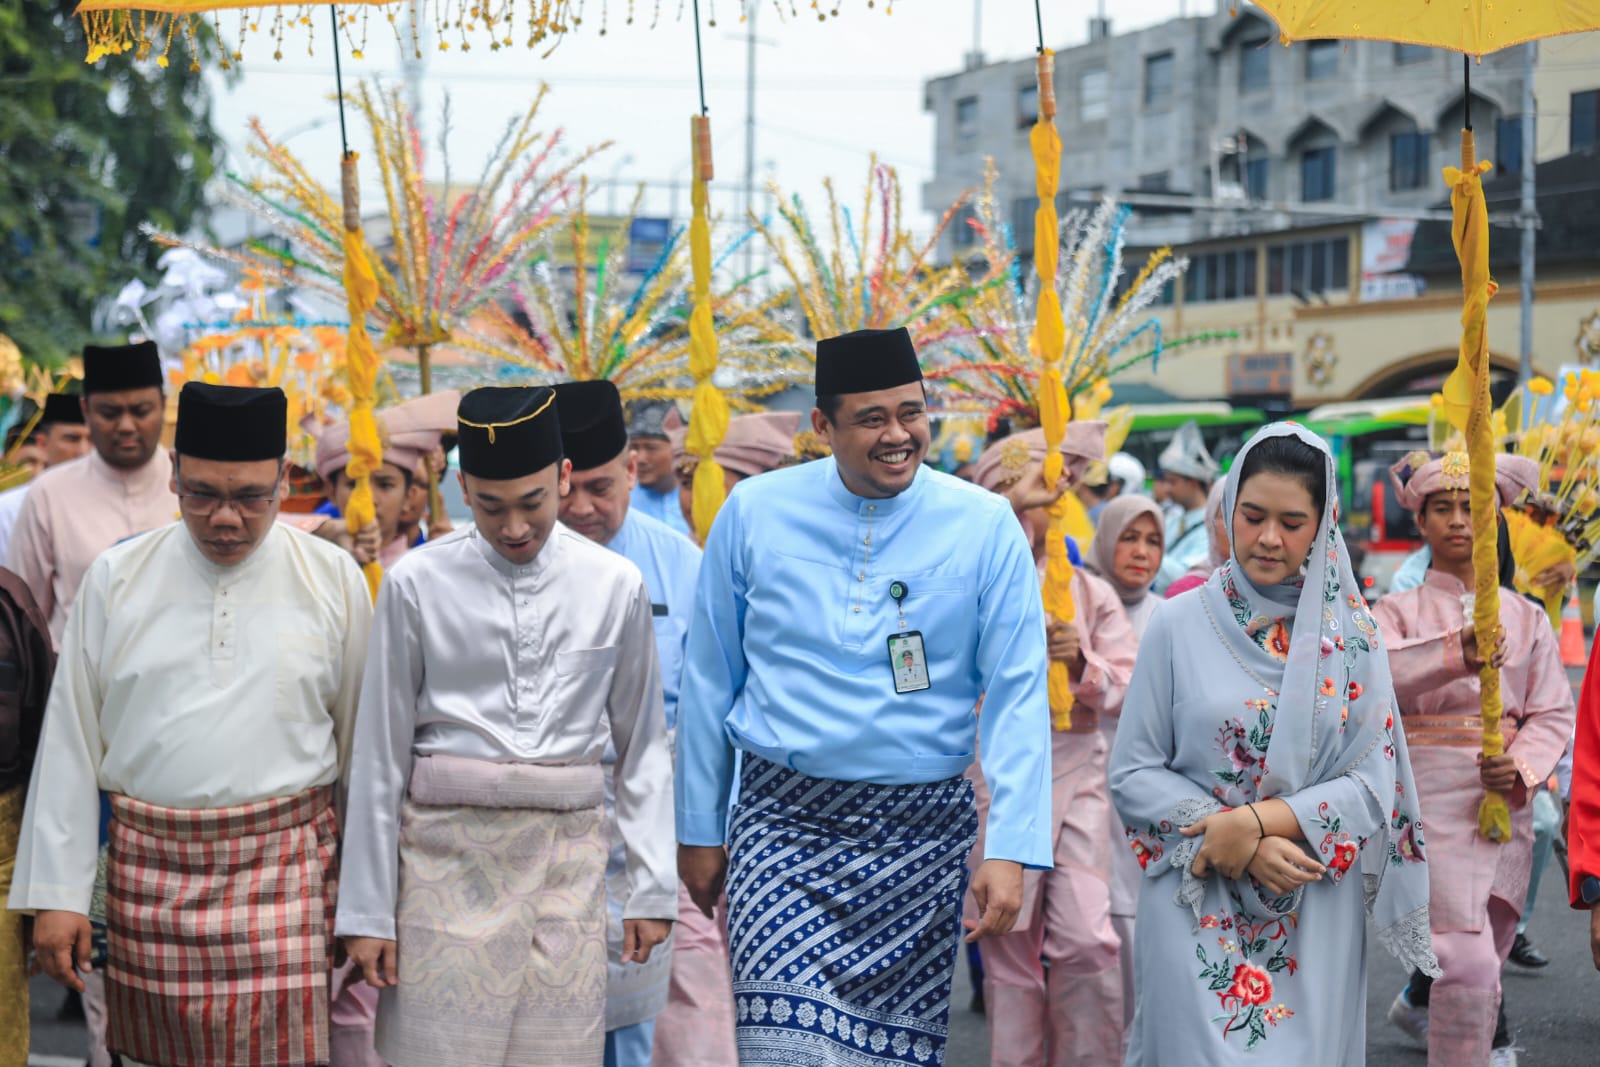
(204, 505)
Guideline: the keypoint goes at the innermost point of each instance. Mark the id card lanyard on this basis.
(908, 658)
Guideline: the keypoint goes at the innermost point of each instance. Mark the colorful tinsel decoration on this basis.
(600, 323)
(864, 270)
(451, 251)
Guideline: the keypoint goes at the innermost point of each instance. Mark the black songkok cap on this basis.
(866, 361)
(648, 418)
(593, 432)
(231, 424)
(508, 431)
(62, 409)
(118, 367)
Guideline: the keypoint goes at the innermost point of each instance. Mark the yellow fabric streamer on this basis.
(1470, 233)
(361, 290)
(1049, 344)
(708, 420)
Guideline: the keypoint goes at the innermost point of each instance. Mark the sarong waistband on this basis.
(1452, 731)
(452, 781)
(763, 778)
(270, 816)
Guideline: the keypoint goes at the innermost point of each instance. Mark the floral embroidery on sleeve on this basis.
(1146, 844)
(1405, 842)
(1242, 976)
(1338, 849)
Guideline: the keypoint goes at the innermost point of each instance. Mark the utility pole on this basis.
(749, 132)
(1528, 216)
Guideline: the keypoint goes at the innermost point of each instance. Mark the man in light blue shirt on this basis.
(655, 489)
(595, 439)
(846, 853)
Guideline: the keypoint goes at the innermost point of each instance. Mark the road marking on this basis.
(37, 1060)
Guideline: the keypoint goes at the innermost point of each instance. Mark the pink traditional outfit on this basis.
(696, 1029)
(1477, 887)
(1139, 602)
(1072, 1013)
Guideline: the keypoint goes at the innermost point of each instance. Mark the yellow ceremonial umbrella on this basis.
(1473, 28)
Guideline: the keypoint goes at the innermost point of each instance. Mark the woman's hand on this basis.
(1283, 866)
(1230, 841)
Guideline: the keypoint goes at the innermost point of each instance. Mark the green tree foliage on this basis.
(87, 155)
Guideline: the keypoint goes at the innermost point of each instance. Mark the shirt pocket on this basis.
(306, 676)
(575, 661)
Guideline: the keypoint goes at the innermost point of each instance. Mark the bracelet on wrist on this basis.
(1259, 824)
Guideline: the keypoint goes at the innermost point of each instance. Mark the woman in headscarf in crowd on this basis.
(1217, 529)
(1261, 772)
(1126, 552)
(1072, 1011)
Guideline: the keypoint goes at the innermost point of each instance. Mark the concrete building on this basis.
(1293, 179)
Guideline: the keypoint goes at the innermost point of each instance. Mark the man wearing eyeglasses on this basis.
(207, 683)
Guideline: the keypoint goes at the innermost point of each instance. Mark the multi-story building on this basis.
(1293, 179)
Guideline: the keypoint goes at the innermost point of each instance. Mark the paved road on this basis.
(1555, 1013)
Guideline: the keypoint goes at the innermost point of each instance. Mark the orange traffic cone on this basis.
(1574, 647)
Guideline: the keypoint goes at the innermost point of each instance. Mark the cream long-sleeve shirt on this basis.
(541, 663)
(77, 510)
(190, 685)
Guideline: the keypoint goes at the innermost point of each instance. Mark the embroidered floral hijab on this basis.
(1313, 644)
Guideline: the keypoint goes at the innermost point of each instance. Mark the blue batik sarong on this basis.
(844, 917)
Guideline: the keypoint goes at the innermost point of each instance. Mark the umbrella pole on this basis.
(435, 498)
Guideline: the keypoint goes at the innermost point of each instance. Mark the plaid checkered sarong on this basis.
(220, 928)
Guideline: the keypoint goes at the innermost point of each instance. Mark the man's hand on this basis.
(639, 936)
(703, 869)
(1230, 844)
(1283, 866)
(1471, 654)
(1065, 645)
(378, 958)
(368, 542)
(1497, 773)
(1029, 491)
(997, 889)
(62, 942)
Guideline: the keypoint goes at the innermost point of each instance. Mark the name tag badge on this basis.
(658, 611)
(908, 662)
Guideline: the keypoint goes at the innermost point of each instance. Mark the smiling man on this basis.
(76, 511)
(505, 657)
(207, 684)
(846, 855)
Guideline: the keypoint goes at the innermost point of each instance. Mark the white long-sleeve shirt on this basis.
(543, 663)
(191, 685)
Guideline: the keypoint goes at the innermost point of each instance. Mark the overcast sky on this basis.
(828, 93)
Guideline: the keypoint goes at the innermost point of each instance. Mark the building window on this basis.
(1585, 119)
(1322, 60)
(1255, 64)
(1159, 182)
(1306, 267)
(1022, 212)
(1215, 276)
(1508, 146)
(1094, 96)
(1316, 174)
(1408, 161)
(1256, 174)
(1158, 79)
(963, 234)
(1411, 53)
(966, 122)
(1027, 105)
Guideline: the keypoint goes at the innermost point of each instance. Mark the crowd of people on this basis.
(579, 783)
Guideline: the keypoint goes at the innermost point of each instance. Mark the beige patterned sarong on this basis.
(501, 918)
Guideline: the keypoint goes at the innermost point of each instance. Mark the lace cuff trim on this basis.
(1191, 891)
(1409, 940)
